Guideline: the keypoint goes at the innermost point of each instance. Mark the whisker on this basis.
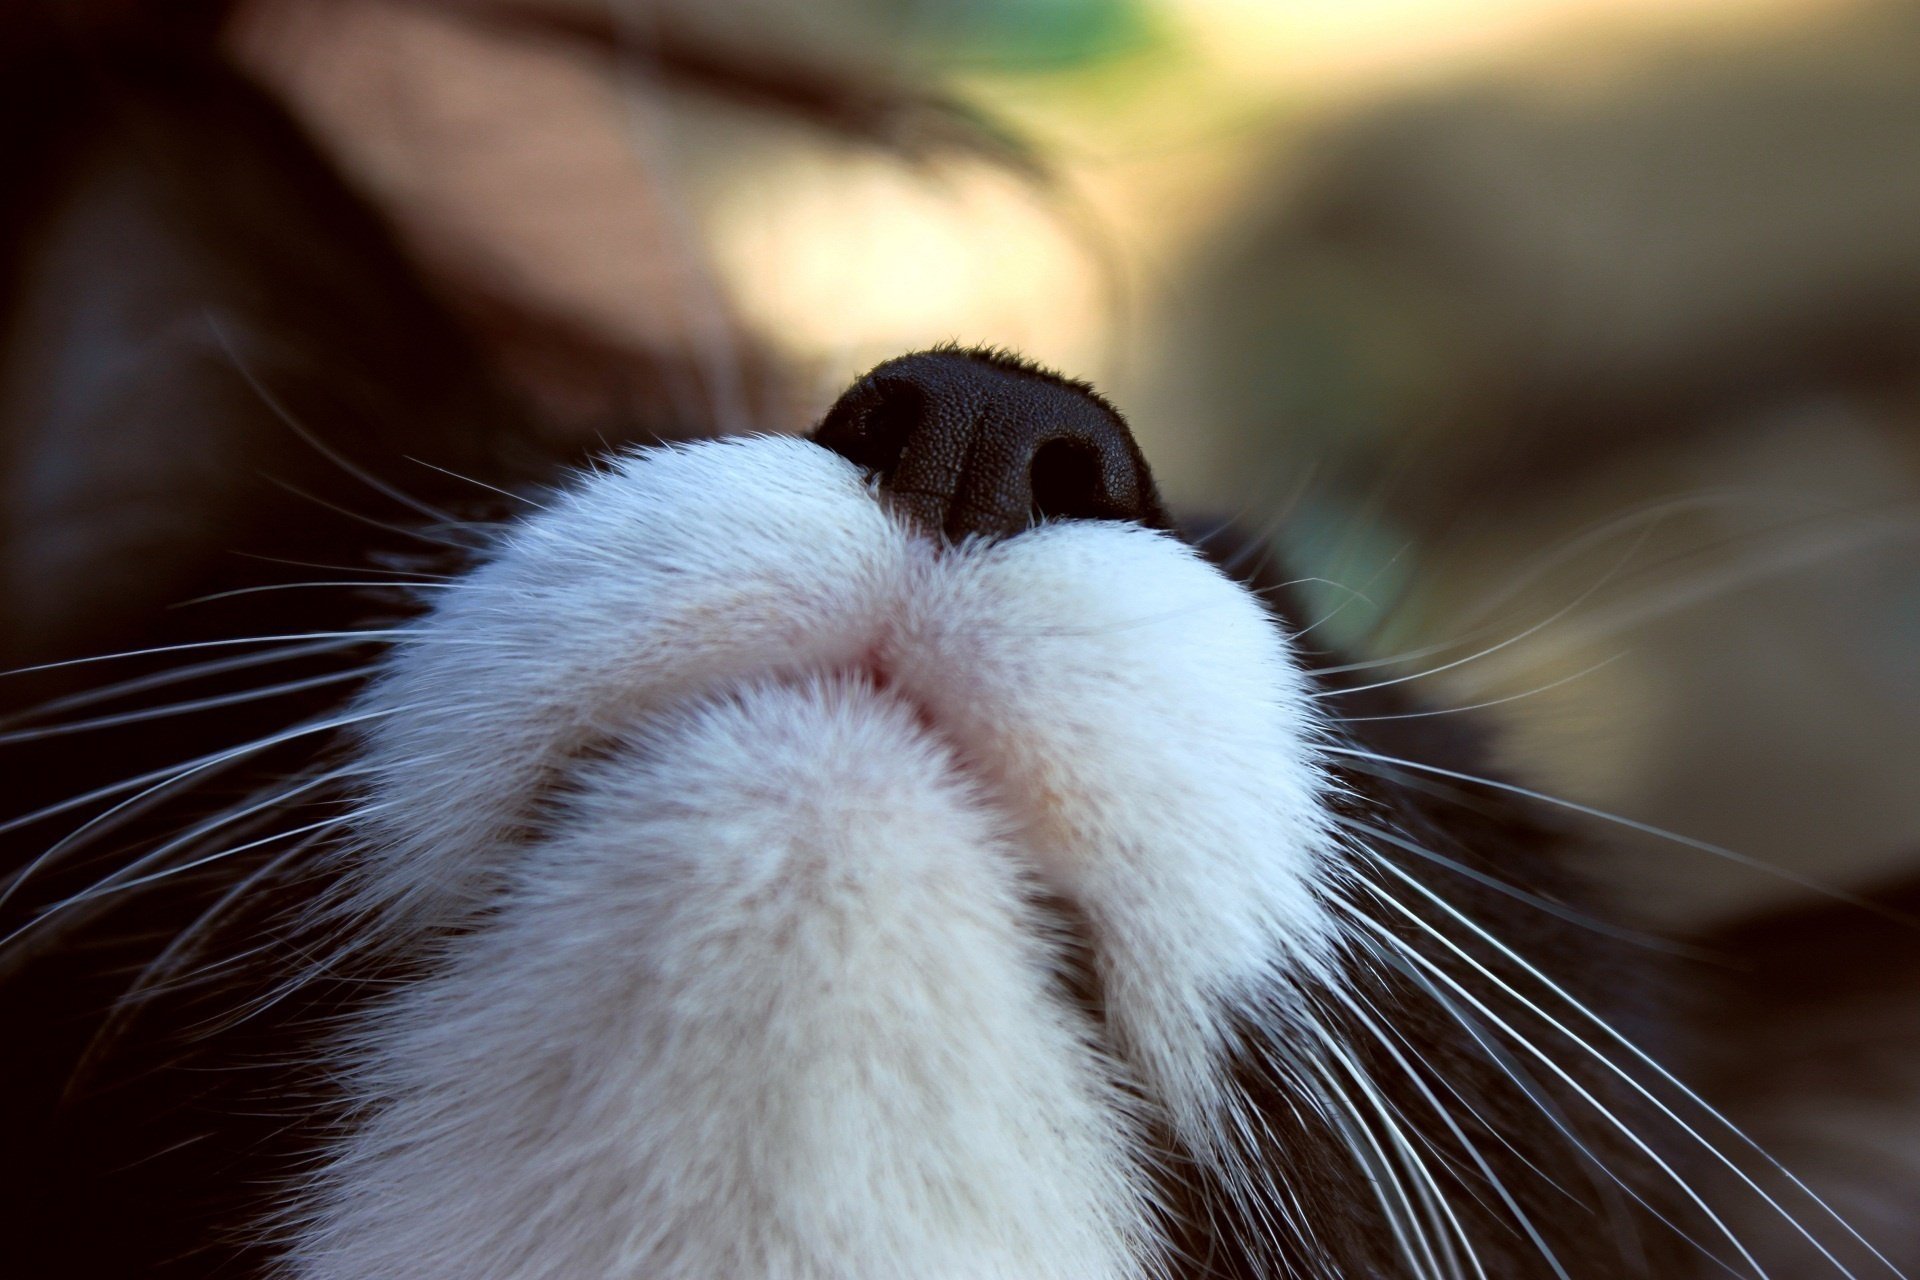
(279, 410)
(255, 805)
(154, 877)
(1258, 1193)
(1261, 1204)
(1491, 702)
(90, 895)
(1395, 945)
(158, 680)
(1652, 513)
(1625, 1076)
(180, 708)
(396, 633)
(186, 943)
(1411, 1234)
(1378, 1029)
(1639, 1055)
(404, 531)
(1559, 910)
(172, 772)
(1438, 1077)
(42, 936)
(1646, 828)
(1511, 640)
(494, 488)
(302, 586)
(1670, 598)
(1434, 1199)
(1530, 572)
(1385, 568)
(1257, 550)
(1352, 592)
(405, 575)
(169, 778)
(1543, 1103)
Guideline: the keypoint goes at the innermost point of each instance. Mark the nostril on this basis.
(872, 427)
(978, 444)
(1065, 475)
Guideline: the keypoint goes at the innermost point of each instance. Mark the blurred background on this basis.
(1567, 350)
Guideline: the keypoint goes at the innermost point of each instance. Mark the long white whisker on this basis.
(344, 583)
(180, 708)
(1258, 549)
(154, 877)
(1633, 824)
(1491, 702)
(1640, 1055)
(1350, 592)
(169, 779)
(1511, 640)
(178, 951)
(164, 776)
(324, 824)
(1233, 1146)
(1665, 599)
(1559, 910)
(1432, 1193)
(1466, 1105)
(161, 679)
(1408, 1072)
(1651, 513)
(505, 493)
(1270, 1216)
(1624, 1075)
(372, 522)
(1543, 562)
(405, 576)
(1395, 944)
(183, 944)
(395, 633)
(1380, 572)
(1512, 1070)
(1261, 1204)
(1255, 1200)
(279, 410)
(1410, 1233)
(1669, 598)
(199, 831)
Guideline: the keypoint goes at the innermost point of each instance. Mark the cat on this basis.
(906, 849)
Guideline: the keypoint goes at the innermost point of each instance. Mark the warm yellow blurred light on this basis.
(1325, 42)
(851, 258)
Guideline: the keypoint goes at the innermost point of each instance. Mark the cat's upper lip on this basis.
(1097, 681)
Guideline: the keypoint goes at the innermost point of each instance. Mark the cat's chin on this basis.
(734, 802)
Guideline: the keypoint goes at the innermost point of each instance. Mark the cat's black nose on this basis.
(979, 443)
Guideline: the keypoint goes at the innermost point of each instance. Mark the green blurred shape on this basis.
(1029, 34)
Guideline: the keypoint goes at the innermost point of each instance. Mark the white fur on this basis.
(772, 1005)
(759, 992)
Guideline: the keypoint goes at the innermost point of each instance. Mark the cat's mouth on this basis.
(817, 751)
(1127, 725)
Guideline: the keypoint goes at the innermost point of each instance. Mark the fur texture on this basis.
(764, 988)
(688, 871)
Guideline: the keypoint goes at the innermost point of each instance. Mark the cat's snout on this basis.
(975, 443)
